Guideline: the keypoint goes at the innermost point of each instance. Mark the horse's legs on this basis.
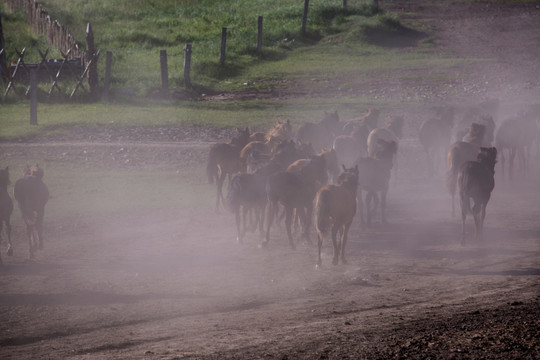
(369, 196)
(465, 205)
(360, 207)
(288, 224)
(39, 228)
(384, 192)
(337, 246)
(307, 222)
(237, 220)
(271, 214)
(319, 243)
(219, 184)
(344, 241)
(8, 233)
(30, 234)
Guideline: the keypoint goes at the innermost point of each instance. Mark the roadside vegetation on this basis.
(340, 45)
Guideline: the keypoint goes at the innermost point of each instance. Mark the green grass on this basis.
(339, 47)
(135, 32)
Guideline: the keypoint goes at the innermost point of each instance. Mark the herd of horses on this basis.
(326, 172)
(31, 194)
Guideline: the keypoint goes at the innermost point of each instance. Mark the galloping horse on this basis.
(392, 132)
(295, 188)
(6, 208)
(434, 135)
(374, 177)
(459, 152)
(32, 195)
(476, 182)
(335, 207)
(224, 160)
(320, 134)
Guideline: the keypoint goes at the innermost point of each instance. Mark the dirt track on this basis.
(99, 290)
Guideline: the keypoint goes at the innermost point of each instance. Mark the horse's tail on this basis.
(211, 166)
(322, 212)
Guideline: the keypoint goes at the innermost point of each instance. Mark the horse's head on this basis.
(395, 124)
(349, 177)
(34, 171)
(487, 156)
(371, 118)
(242, 137)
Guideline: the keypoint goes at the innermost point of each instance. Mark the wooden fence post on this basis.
(259, 34)
(187, 66)
(164, 71)
(107, 85)
(91, 54)
(3, 62)
(33, 97)
(304, 18)
(223, 45)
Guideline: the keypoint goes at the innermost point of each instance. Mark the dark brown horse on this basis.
(434, 135)
(476, 182)
(224, 161)
(6, 209)
(335, 208)
(247, 195)
(320, 134)
(374, 177)
(459, 152)
(32, 195)
(295, 189)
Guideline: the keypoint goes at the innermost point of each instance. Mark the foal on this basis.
(476, 182)
(6, 208)
(32, 195)
(335, 207)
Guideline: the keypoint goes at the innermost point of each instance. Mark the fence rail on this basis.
(57, 34)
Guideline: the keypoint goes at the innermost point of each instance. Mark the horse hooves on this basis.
(263, 245)
(10, 251)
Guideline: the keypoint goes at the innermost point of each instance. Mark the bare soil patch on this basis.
(174, 284)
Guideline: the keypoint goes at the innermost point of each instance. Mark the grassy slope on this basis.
(340, 46)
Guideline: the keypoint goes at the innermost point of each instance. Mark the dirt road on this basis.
(174, 284)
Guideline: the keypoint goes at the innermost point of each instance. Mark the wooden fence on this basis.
(57, 34)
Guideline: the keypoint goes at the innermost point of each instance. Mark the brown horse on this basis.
(392, 132)
(32, 195)
(320, 134)
(514, 138)
(459, 152)
(295, 189)
(247, 193)
(374, 177)
(224, 161)
(6, 209)
(349, 147)
(367, 121)
(476, 182)
(335, 208)
(434, 135)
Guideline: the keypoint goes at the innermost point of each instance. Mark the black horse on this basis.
(32, 195)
